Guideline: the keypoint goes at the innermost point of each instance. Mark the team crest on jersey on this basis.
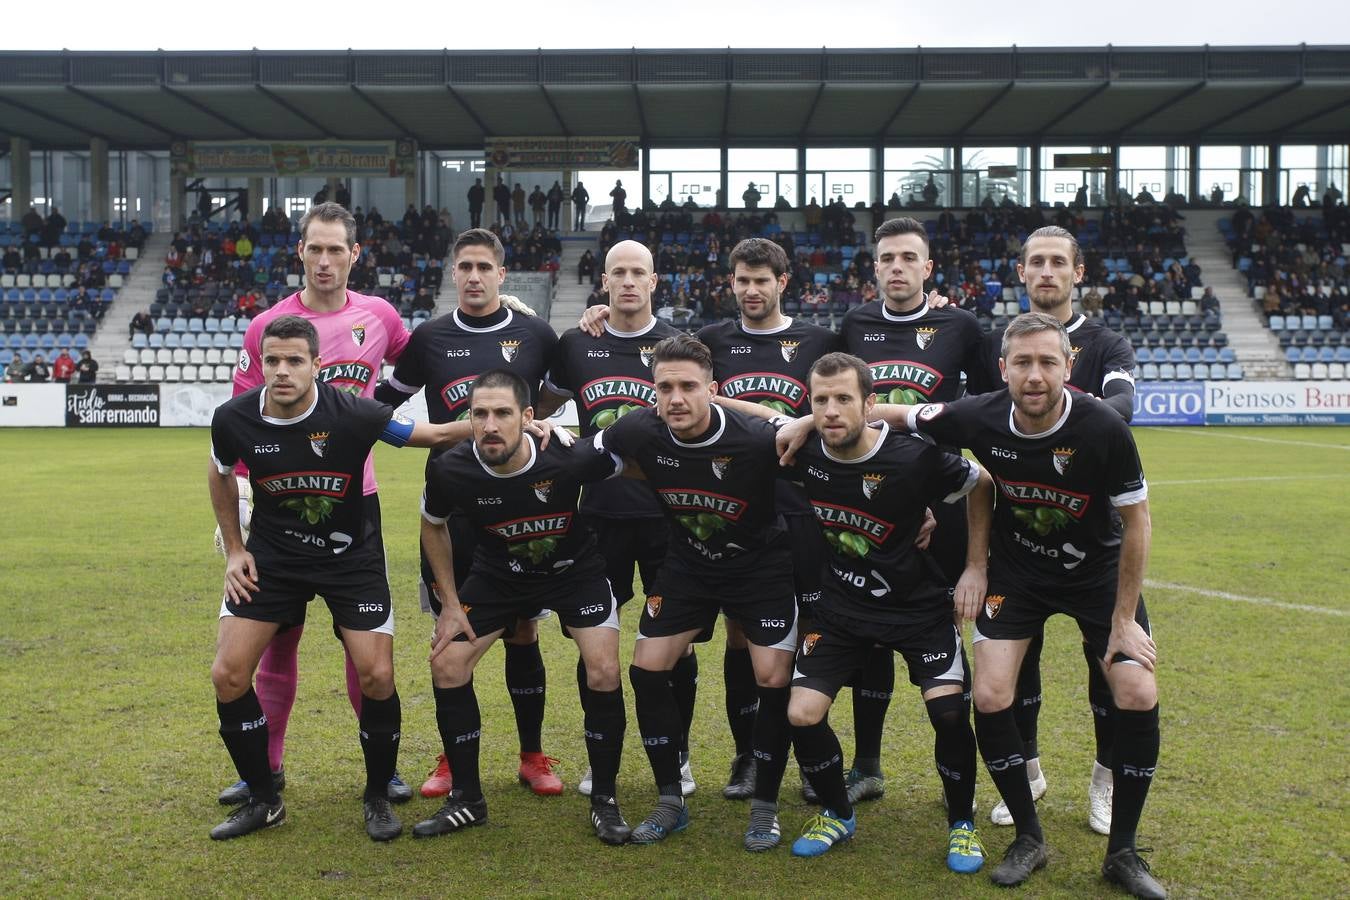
(719, 465)
(924, 336)
(929, 411)
(809, 643)
(992, 604)
(789, 349)
(1073, 353)
(542, 489)
(1063, 458)
(359, 334)
(509, 350)
(648, 355)
(870, 484)
(653, 606)
(318, 442)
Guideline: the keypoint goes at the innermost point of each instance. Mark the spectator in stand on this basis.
(555, 199)
(11, 262)
(63, 367)
(1301, 197)
(423, 301)
(518, 205)
(538, 201)
(1332, 196)
(142, 322)
(477, 196)
(32, 222)
(930, 191)
(586, 267)
(15, 370)
(87, 368)
(1092, 302)
(243, 248)
(343, 196)
(246, 304)
(501, 196)
(619, 200)
(55, 226)
(37, 370)
(751, 197)
(580, 200)
(1208, 302)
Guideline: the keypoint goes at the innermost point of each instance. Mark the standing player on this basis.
(1061, 461)
(313, 531)
(1103, 365)
(532, 553)
(714, 470)
(916, 353)
(869, 487)
(443, 358)
(356, 335)
(610, 376)
(764, 357)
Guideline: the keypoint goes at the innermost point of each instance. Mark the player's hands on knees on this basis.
(969, 593)
(936, 300)
(791, 437)
(241, 576)
(925, 535)
(593, 320)
(1131, 639)
(452, 621)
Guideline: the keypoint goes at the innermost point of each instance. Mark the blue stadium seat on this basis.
(1234, 372)
(1143, 355)
(1185, 372)
(1201, 372)
(1326, 355)
(1167, 372)
(138, 341)
(1308, 355)
(1209, 355)
(1277, 323)
(1292, 354)
(156, 340)
(81, 342)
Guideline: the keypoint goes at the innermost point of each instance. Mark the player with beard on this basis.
(1061, 461)
(313, 532)
(357, 334)
(442, 359)
(610, 376)
(715, 472)
(916, 353)
(532, 553)
(1103, 365)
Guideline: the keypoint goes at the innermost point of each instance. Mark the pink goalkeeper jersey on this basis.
(353, 343)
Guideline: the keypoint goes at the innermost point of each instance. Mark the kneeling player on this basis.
(312, 532)
(531, 555)
(714, 470)
(869, 487)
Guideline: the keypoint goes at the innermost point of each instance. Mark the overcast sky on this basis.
(591, 24)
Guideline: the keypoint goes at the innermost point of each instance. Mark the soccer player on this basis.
(610, 376)
(356, 335)
(532, 553)
(1103, 365)
(442, 359)
(1061, 461)
(916, 353)
(714, 471)
(869, 487)
(313, 531)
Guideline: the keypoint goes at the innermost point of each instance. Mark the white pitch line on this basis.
(1218, 433)
(1239, 598)
(1318, 477)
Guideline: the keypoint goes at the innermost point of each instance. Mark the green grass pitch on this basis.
(112, 761)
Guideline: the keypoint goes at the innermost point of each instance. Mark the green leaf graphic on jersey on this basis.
(536, 550)
(847, 542)
(311, 509)
(353, 389)
(900, 395)
(1041, 519)
(703, 525)
(778, 406)
(607, 417)
(462, 416)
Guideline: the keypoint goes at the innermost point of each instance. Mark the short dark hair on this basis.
(901, 225)
(286, 327)
(329, 212)
(1034, 323)
(479, 237)
(683, 347)
(1054, 231)
(756, 252)
(832, 364)
(502, 378)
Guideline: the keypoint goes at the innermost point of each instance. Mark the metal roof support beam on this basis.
(468, 109)
(295, 111)
(1076, 105)
(55, 120)
(984, 110)
(1169, 102)
(1247, 107)
(726, 111)
(206, 110)
(642, 116)
(553, 108)
(811, 112)
(1278, 133)
(899, 108)
(113, 107)
(403, 130)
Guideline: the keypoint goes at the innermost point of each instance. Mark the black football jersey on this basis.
(609, 377)
(447, 354)
(306, 472)
(871, 510)
(526, 521)
(1100, 356)
(717, 491)
(1055, 491)
(916, 357)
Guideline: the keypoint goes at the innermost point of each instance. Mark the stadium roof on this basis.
(454, 100)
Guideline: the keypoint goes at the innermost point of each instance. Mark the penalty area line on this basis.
(1240, 598)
